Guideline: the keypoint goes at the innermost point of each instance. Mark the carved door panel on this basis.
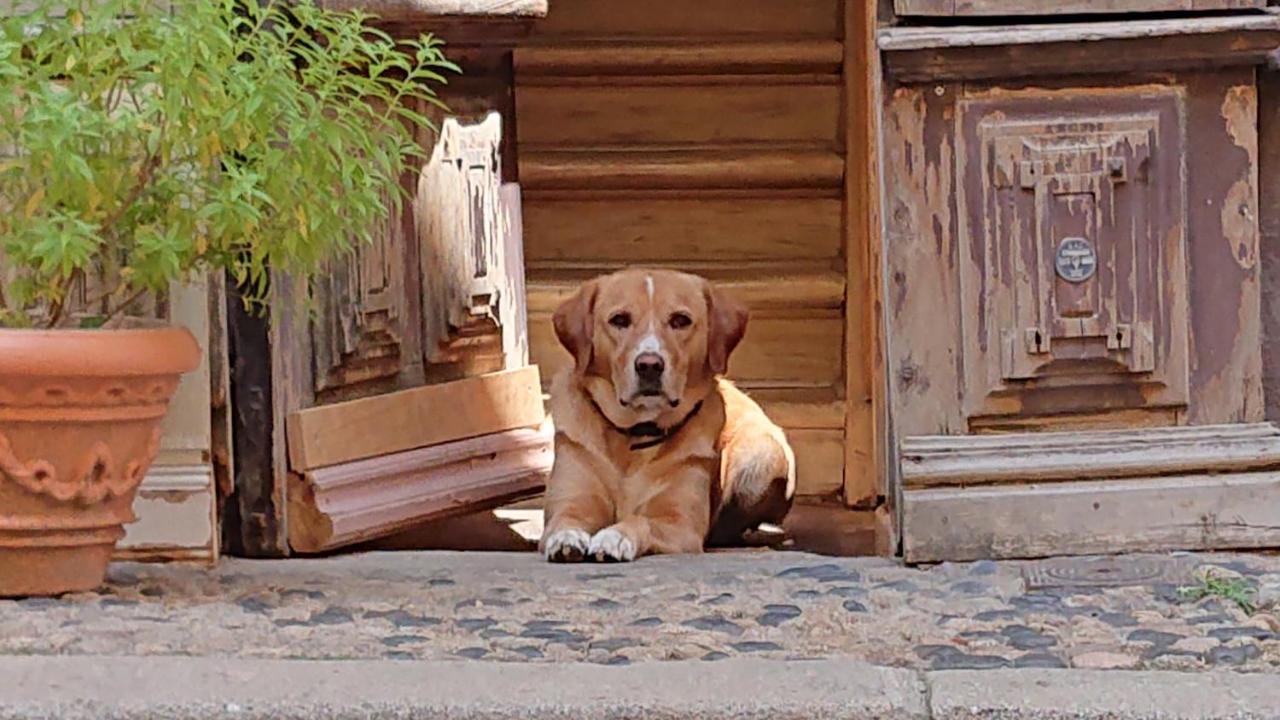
(1075, 217)
(377, 438)
(473, 276)
(361, 331)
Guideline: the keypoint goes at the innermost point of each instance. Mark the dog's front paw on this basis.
(610, 545)
(566, 546)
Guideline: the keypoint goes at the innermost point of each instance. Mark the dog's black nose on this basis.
(649, 367)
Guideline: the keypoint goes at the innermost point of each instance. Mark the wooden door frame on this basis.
(867, 466)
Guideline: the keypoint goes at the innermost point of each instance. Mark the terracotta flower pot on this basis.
(80, 416)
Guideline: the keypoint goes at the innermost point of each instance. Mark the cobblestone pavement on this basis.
(1135, 612)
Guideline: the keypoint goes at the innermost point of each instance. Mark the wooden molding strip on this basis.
(897, 39)
(1056, 457)
(969, 53)
(654, 59)
(1051, 8)
(1191, 512)
(344, 504)
(414, 10)
(410, 419)
(681, 169)
(781, 291)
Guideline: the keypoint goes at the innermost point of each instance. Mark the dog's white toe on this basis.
(569, 545)
(610, 545)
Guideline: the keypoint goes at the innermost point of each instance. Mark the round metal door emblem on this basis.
(1075, 260)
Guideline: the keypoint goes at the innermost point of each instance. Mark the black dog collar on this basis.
(649, 433)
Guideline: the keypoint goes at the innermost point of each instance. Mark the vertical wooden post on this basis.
(1269, 171)
(865, 454)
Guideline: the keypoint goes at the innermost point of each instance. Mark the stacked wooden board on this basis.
(707, 137)
(371, 467)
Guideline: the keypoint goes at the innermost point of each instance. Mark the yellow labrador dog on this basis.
(655, 453)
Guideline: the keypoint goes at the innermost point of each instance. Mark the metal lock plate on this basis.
(1075, 260)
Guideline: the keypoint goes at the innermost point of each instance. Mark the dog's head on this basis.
(646, 342)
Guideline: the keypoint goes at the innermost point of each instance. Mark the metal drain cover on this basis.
(1098, 572)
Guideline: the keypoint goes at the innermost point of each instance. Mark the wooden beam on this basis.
(684, 169)
(897, 39)
(251, 516)
(967, 53)
(864, 470)
(1195, 512)
(776, 292)
(409, 419)
(990, 8)
(353, 502)
(658, 58)
(1058, 456)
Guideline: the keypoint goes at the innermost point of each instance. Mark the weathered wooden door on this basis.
(399, 388)
(1072, 246)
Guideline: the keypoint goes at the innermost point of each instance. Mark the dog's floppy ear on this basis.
(574, 321)
(727, 320)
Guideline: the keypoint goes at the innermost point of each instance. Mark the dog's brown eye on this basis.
(620, 320)
(680, 321)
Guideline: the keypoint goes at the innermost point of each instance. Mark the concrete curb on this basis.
(164, 688)
(172, 688)
(1101, 695)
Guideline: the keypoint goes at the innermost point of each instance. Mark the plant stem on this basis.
(60, 302)
(123, 305)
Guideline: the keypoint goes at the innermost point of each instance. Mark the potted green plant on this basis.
(140, 144)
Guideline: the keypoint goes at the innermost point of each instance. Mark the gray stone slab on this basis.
(1101, 695)
(87, 688)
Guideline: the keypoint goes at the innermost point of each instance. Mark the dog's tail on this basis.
(758, 480)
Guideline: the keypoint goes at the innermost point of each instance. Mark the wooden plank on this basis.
(973, 53)
(1225, 283)
(1159, 54)
(409, 419)
(514, 307)
(815, 57)
(1269, 167)
(930, 462)
(864, 479)
(251, 516)
(607, 115)
(349, 503)
(782, 292)
(412, 10)
(814, 525)
(732, 169)
(1063, 7)
(1067, 7)
(220, 414)
(802, 408)
(777, 351)
(922, 293)
(630, 230)
(896, 39)
(718, 19)
(470, 254)
(1198, 512)
(829, 528)
(820, 458)
(924, 7)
